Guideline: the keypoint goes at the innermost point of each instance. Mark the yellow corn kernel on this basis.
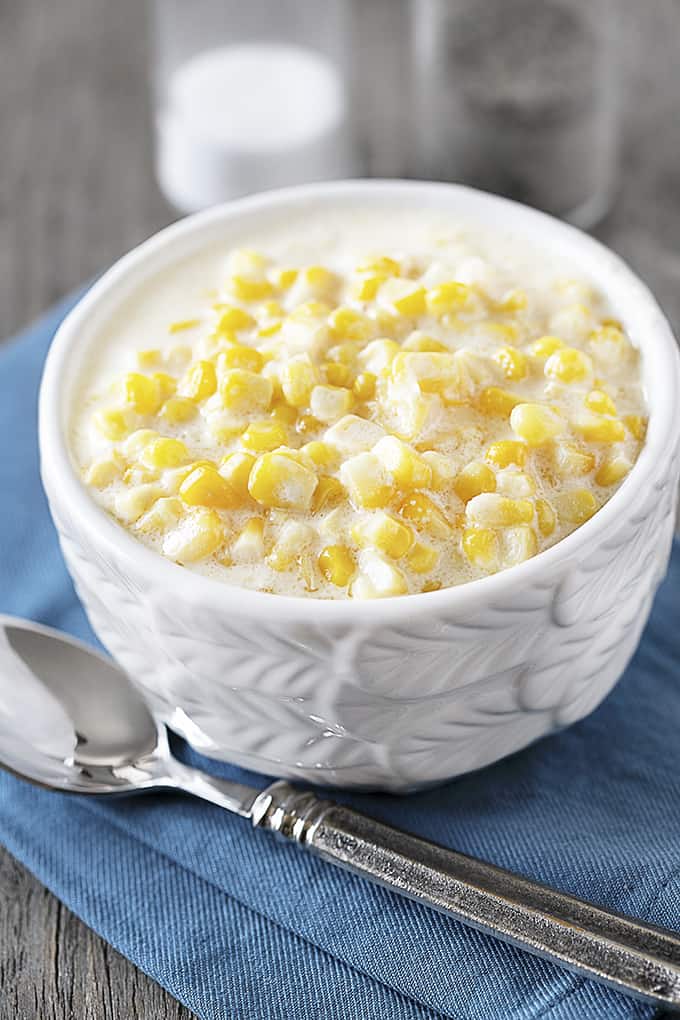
(609, 344)
(353, 434)
(242, 391)
(246, 262)
(130, 504)
(321, 454)
(320, 280)
(444, 469)
(545, 346)
(600, 402)
(167, 384)
(177, 410)
(249, 546)
(473, 479)
(571, 461)
(277, 480)
(384, 532)
(612, 471)
(205, 486)
(199, 535)
(535, 423)
(425, 515)
(407, 468)
(406, 297)
(199, 381)
(103, 472)
(447, 298)
(517, 545)
(164, 453)
(269, 329)
(283, 279)
(137, 474)
(495, 511)
(249, 289)
(348, 324)
(148, 358)
(434, 371)
(569, 365)
(337, 374)
(512, 362)
(310, 312)
(378, 578)
(365, 288)
(380, 264)
(424, 344)
(136, 441)
(262, 436)
(284, 413)
(480, 547)
(514, 301)
(422, 558)
(298, 378)
(636, 425)
(516, 484)
(545, 516)
(337, 565)
(366, 480)
(328, 403)
(239, 356)
(112, 424)
(597, 429)
(232, 319)
(328, 493)
(235, 468)
(506, 452)
(576, 506)
(141, 393)
(377, 355)
(573, 321)
(307, 423)
(291, 545)
(183, 324)
(496, 402)
(162, 515)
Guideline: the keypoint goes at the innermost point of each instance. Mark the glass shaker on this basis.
(248, 97)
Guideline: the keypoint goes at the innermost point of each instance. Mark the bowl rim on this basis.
(65, 488)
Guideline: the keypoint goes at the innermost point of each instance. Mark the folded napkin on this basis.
(238, 925)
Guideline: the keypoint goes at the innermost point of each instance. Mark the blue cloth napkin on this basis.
(238, 925)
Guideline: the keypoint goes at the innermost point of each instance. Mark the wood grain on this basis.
(76, 191)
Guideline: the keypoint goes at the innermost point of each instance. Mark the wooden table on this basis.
(76, 191)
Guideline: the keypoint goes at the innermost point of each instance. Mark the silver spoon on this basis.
(70, 720)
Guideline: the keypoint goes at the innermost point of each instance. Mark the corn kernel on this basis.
(385, 533)
(444, 469)
(545, 346)
(422, 558)
(246, 262)
(473, 479)
(515, 484)
(291, 545)
(242, 391)
(262, 436)
(199, 381)
(141, 393)
(348, 324)
(571, 461)
(367, 287)
(148, 358)
(136, 441)
(205, 486)
(353, 434)
(573, 321)
(249, 289)
(232, 319)
(164, 453)
(137, 474)
(480, 547)
(249, 546)
(600, 402)
(380, 264)
(130, 504)
(406, 297)
(235, 469)
(283, 279)
(535, 423)
(513, 301)
(447, 298)
(636, 425)
(597, 429)
(495, 402)
(162, 515)
(329, 403)
(377, 355)
(337, 565)
(103, 472)
(424, 344)
(575, 507)
(320, 280)
(407, 468)
(612, 471)
(307, 423)
(425, 515)
(239, 356)
(367, 481)
(198, 536)
(112, 424)
(569, 365)
(495, 511)
(329, 492)
(506, 452)
(337, 374)
(279, 481)
(298, 378)
(517, 545)
(545, 516)
(364, 386)
(320, 453)
(183, 324)
(512, 362)
(609, 345)
(284, 413)
(378, 578)
(167, 384)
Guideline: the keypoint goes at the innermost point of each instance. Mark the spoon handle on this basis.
(607, 947)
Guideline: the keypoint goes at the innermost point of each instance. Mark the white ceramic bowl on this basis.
(393, 693)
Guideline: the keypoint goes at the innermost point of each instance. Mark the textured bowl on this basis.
(394, 693)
